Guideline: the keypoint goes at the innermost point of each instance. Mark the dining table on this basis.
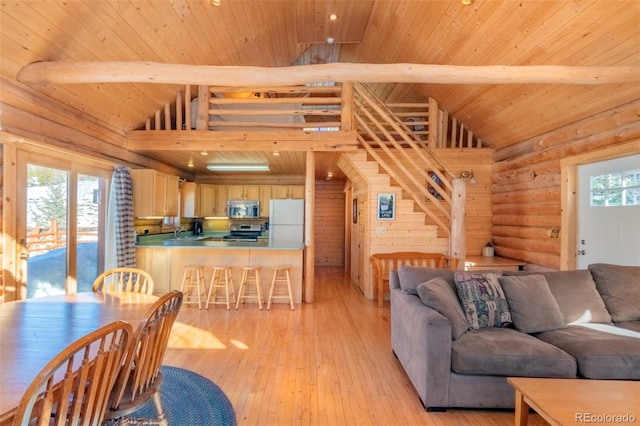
(34, 331)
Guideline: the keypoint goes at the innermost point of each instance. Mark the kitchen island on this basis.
(165, 260)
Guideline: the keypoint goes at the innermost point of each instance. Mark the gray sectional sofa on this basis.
(563, 324)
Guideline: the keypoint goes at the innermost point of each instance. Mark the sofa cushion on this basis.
(412, 276)
(532, 306)
(507, 352)
(438, 295)
(629, 325)
(602, 351)
(576, 294)
(619, 287)
(483, 300)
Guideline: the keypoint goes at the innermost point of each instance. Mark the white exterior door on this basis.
(609, 212)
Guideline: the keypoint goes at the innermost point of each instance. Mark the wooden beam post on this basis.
(309, 220)
(202, 122)
(347, 107)
(434, 124)
(457, 240)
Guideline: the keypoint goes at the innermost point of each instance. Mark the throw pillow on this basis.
(619, 287)
(532, 305)
(439, 296)
(482, 299)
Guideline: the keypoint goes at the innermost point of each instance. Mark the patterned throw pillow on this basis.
(483, 300)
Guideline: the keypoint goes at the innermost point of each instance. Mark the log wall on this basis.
(526, 183)
(329, 223)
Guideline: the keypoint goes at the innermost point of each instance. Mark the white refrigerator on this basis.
(286, 222)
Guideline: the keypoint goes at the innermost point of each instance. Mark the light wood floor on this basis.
(326, 363)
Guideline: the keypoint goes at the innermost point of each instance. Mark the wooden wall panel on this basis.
(329, 223)
(1, 224)
(526, 183)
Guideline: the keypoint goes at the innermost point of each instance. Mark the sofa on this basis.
(459, 335)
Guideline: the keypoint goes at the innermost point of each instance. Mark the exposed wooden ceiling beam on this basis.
(170, 140)
(153, 72)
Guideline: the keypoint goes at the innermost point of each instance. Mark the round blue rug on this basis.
(189, 399)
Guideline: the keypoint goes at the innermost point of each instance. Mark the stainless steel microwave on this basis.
(243, 209)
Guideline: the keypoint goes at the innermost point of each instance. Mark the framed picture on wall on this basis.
(354, 210)
(386, 206)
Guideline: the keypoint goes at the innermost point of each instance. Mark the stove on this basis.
(243, 232)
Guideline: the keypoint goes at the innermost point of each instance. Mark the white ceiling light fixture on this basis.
(216, 2)
(238, 167)
(333, 16)
(330, 40)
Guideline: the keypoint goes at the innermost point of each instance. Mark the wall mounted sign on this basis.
(386, 206)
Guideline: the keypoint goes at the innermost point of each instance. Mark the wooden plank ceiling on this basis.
(294, 32)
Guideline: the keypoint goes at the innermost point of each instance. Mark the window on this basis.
(616, 189)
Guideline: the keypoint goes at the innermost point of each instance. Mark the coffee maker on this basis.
(197, 227)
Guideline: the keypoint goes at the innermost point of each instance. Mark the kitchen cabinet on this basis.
(190, 196)
(213, 200)
(265, 198)
(283, 192)
(244, 192)
(154, 193)
(157, 262)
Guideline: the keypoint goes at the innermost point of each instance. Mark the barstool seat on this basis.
(227, 284)
(193, 282)
(250, 275)
(281, 276)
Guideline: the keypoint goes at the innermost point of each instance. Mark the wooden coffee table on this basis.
(577, 401)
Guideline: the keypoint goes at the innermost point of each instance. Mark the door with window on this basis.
(60, 235)
(609, 212)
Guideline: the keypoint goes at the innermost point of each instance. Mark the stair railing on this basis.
(409, 161)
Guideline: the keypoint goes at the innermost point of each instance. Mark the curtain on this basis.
(120, 237)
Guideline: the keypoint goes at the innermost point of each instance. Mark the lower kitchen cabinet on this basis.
(157, 262)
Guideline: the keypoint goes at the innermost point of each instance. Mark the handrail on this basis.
(408, 160)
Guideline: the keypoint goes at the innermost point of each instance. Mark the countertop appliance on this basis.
(197, 228)
(286, 221)
(239, 209)
(243, 232)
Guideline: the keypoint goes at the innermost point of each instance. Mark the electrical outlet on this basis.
(381, 230)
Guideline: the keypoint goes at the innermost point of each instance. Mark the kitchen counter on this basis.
(213, 240)
(165, 258)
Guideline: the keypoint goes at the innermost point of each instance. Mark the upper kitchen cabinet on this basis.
(283, 192)
(265, 199)
(244, 192)
(213, 200)
(154, 193)
(190, 195)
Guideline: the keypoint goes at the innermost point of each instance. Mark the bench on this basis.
(383, 263)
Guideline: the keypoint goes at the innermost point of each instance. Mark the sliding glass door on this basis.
(61, 238)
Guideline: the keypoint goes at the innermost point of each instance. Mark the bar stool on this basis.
(193, 279)
(250, 275)
(216, 284)
(281, 275)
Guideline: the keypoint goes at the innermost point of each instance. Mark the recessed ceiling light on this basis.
(204, 153)
(333, 17)
(330, 40)
(276, 153)
(238, 167)
(190, 163)
(467, 2)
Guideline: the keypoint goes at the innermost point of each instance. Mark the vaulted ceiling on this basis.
(277, 33)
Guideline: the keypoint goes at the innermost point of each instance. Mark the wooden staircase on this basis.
(403, 154)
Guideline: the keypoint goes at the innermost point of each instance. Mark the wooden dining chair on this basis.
(74, 387)
(139, 380)
(124, 280)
